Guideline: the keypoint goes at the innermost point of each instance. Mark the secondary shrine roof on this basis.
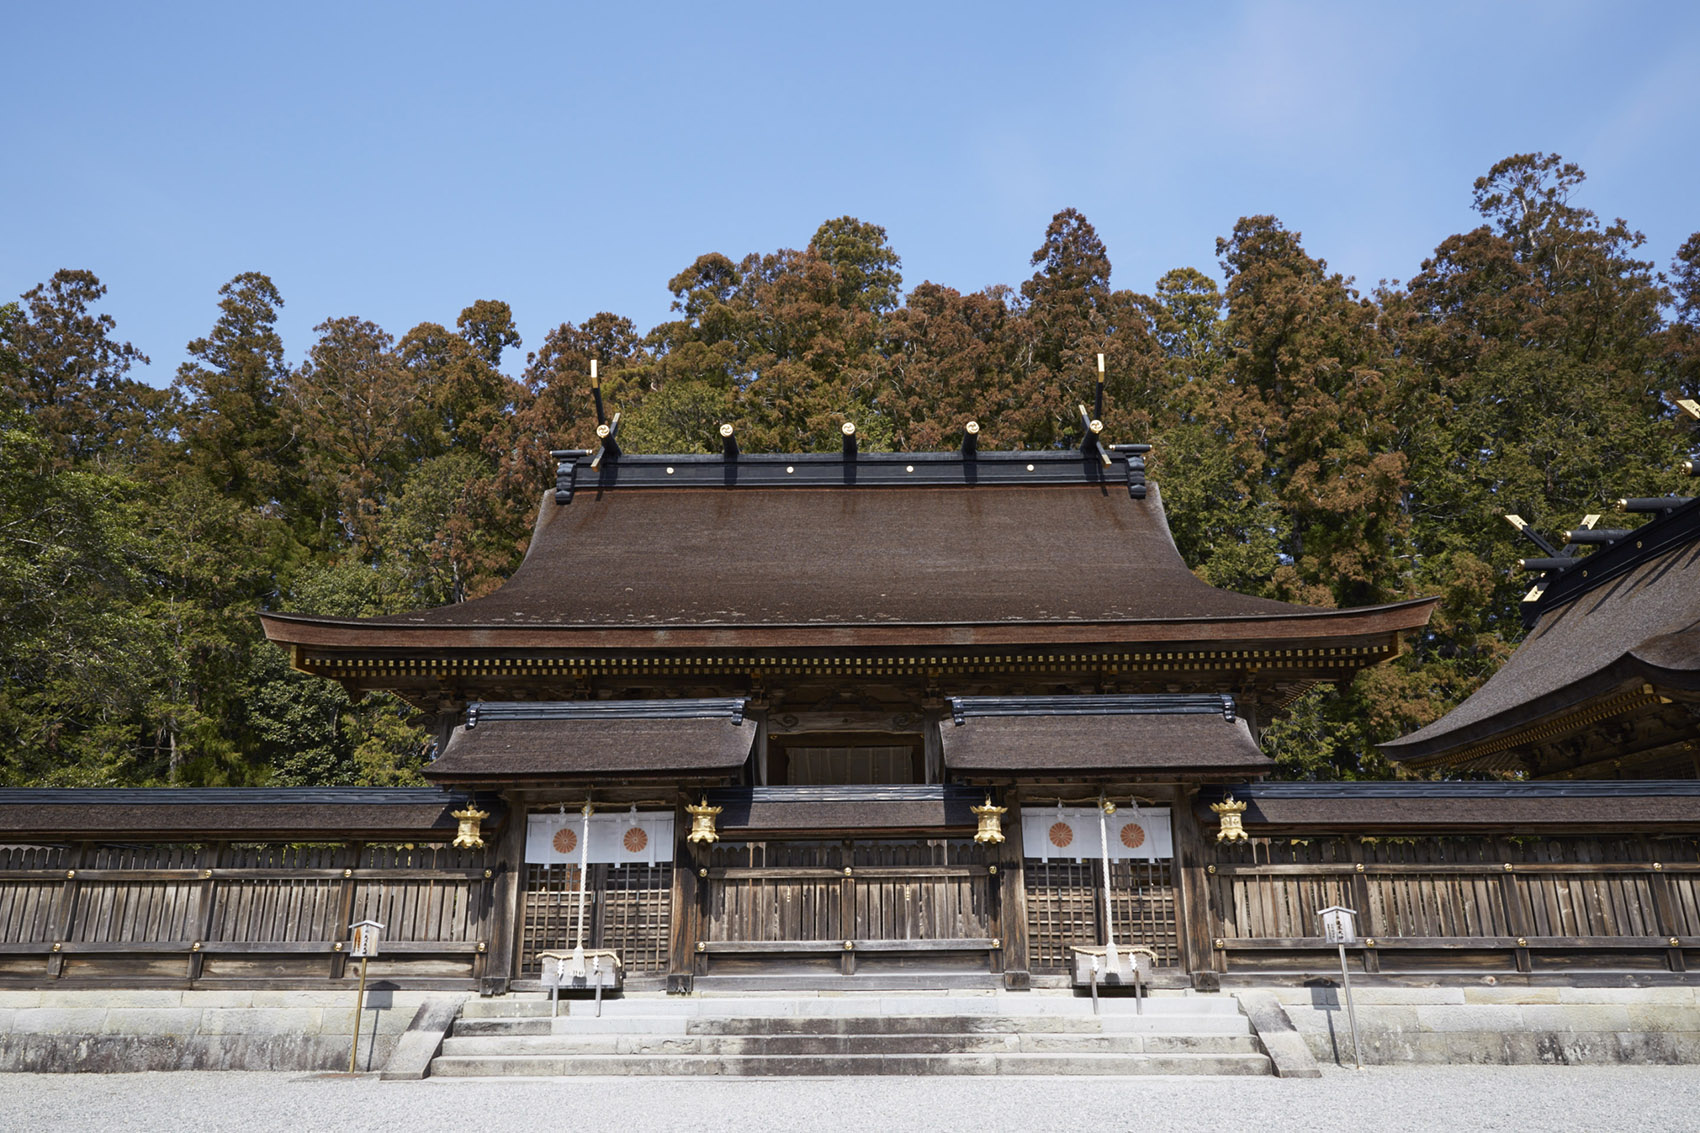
(1094, 735)
(1617, 633)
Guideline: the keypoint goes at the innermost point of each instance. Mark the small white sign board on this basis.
(1338, 925)
(364, 938)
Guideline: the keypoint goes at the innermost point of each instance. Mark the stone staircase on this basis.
(855, 1033)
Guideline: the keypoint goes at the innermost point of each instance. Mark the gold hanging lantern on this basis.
(702, 822)
(991, 822)
(1229, 811)
(470, 837)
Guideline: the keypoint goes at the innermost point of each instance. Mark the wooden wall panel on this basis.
(1440, 902)
(268, 913)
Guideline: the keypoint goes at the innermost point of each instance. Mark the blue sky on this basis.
(398, 161)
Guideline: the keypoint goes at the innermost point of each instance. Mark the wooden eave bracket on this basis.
(1481, 754)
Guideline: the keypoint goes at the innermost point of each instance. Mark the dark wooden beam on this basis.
(1012, 903)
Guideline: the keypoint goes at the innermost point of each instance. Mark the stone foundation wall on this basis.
(107, 1030)
(1501, 1025)
(110, 1031)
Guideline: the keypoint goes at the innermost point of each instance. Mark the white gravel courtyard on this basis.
(1454, 1098)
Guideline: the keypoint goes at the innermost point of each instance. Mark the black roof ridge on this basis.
(577, 470)
(832, 457)
(680, 708)
(1664, 532)
(851, 792)
(1535, 788)
(964, 708)
(216, 796)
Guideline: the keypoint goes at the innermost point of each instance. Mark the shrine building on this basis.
(834, 719)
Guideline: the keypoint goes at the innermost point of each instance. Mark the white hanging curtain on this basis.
(617, 837)
(1071, 833)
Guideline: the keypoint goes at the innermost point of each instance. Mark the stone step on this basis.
(965, 1024)
(830, 1044)
(855, 1025)
(482, 1066)
(999, 1004)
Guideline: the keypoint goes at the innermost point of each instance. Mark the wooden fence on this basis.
(227, 913)
(1460, 903)
(848, 906)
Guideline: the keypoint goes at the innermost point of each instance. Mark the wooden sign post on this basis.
(1341, 930)
(362, 944)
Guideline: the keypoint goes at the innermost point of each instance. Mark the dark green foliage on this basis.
(1312, 444)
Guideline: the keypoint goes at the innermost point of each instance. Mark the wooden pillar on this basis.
(345, 908)
(203, 907)
(1511, 892)
(66, 908)
(1198, 953)
(1664, 905)
(1012, 900)
(847, 906)
(1368, 929)
(688, 894)
(507, 888)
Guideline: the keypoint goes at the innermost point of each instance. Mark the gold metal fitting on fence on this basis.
(991, 821)
(470, 836)
(1230, 811)
(702, 822)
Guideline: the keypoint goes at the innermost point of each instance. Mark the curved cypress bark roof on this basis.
(1100, 735)
(599, 740)
(1618, 634)
(1489, 808)
(300, 813)
(1009, 548)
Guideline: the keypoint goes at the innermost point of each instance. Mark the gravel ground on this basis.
(1643, 1099)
